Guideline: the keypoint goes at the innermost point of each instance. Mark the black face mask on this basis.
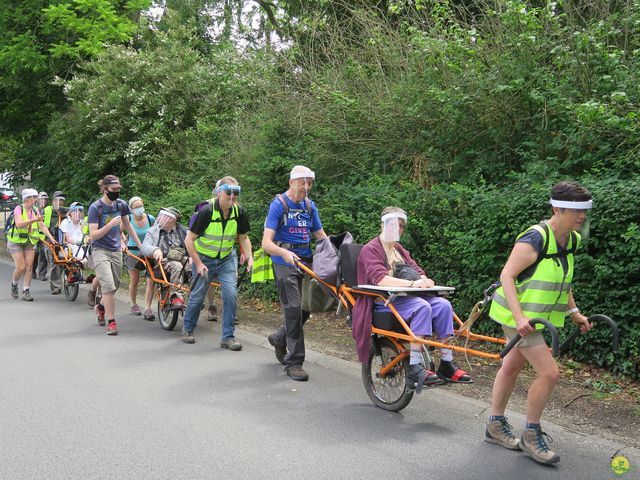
(113, 195)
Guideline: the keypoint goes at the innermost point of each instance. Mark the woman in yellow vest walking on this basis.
(536, 283)
(22, 238)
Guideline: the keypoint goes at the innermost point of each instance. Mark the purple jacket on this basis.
(372, 268)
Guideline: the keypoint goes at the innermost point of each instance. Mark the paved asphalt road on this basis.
(77, 404)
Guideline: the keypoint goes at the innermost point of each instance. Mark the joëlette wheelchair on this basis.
(72, 267)
(167, 315)
(385, 373)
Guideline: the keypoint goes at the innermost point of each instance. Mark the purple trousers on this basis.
(425, 315)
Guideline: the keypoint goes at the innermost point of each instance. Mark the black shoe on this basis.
(297, 374)
(14, 290)
(416, 377)
(281, 350)
(451, 372)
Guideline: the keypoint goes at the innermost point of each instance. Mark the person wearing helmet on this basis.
(22, 238)
(40, 264)
(141, 222)
(165, 243)
(210, 243)
(291, 223)
(74, 230)
(53, 216)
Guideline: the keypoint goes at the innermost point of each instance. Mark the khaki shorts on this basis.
(108, 268)
(14, 248)
(531, 340)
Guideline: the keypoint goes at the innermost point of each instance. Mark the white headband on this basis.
(168, 214)
(391, 215)
(307, 174)
(574, 205)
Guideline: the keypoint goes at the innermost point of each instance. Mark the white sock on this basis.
(416, 357)
(446, 355)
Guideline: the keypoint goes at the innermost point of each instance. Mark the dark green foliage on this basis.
(464, 113)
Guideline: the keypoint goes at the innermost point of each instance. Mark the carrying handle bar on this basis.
(552, 330)
(615, 333)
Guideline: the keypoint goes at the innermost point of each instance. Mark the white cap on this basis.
(300, 171)
(29, 192)
(43, 195)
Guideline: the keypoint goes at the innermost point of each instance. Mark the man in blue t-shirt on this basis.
(291, 221)
(107, 216)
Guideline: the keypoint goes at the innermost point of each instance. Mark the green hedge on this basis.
(462, 235)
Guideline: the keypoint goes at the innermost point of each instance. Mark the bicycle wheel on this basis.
(167, 318)
(70, 289)
(389, 392)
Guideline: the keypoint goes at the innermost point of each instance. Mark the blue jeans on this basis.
(225, 270)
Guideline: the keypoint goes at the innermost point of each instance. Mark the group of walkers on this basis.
(535, 282)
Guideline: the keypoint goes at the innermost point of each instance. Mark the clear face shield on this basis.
(76, 213)
(165, 220)
(578, 213)
(42, 202)
(57, 203)
(228, 193)
(303, 181)
(392, 226)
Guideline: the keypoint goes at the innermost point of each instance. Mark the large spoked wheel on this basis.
(70, 289)
(168, 318)
(389, 392)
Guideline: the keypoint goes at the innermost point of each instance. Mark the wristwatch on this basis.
(573, 310)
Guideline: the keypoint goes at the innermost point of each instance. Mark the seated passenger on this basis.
(425, 315)
(74, 229)
(165, 243)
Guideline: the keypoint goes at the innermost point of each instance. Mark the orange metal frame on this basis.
(162, 281)
(69, 262)
(346, 295)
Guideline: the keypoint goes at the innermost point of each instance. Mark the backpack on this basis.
(10, 224)
(543, 255)
(196, 209)
(119, 205)
(284, 220)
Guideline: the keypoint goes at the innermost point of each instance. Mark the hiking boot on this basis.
(14, 291)
(135, 310)
(499, 432)
(148, 314)
(26, 296)
(212, 314)
(533, 442)
(232, 344)
(99, 309)
(451, 372)
(91, 298)
(416, 377)
(55, 291)
(112, 328)
(280, 350)
(187, 337)
(297, 373)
